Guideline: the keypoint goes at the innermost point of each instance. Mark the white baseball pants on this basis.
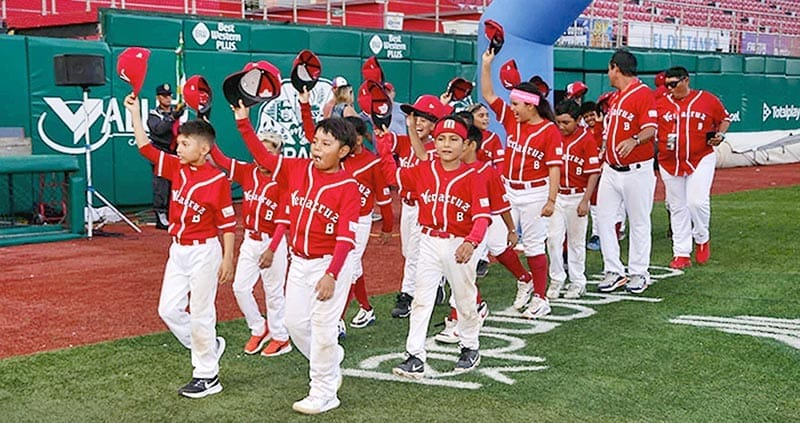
(313, 324)
(363, 230)
(409, 240)
(273, 279)
(437, 259)
(193, 269)
(565, 221)
(689, 202)
(526, 211)
(496, 239)
(634, 189)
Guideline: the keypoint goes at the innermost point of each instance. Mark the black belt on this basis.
(628, 168)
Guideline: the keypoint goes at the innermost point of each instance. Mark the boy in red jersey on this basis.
(366, 169)
(453, 215)
(579, 174)
(321, 234)
(491, 149)
(265, 222)
(200, 207)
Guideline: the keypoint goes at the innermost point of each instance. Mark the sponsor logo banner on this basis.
(678, 37)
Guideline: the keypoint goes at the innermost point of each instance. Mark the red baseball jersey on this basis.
(632, 110)
(449, 201)
(492, 150)
(366, 169)
(690, 118)
(530, 148)
(320, 205)
(200, 203)
(498, 201)
(401, 146)
(261, 203)
(580, 159)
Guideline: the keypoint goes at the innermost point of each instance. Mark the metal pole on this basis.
(264, 17)
(242, 8)
(4, 7)
(185, 7)
(44, 7)
(88, 6)
(328, 12)
(194, 7)
(53, 6)
(620, 11)
(436, 14)
(294, 11)
(344, 12)
(88, 153)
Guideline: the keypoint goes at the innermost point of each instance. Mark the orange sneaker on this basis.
(702, 252)
(680, 263)
(256, 342)
(276, 348)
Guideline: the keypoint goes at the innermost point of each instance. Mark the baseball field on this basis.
(715, 343)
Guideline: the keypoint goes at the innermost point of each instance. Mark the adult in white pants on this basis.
(690, 123)
(628, 176)
(273, 279)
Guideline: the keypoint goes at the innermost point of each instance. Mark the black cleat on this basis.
(412, 368)
(483, 268)
(402, 307)
(200, 387)
(468, 360)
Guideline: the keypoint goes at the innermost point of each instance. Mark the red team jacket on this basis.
(449, 201)
(263, 206)
(492, 150)
(366, 169)
(401, 145)
(632, 110)
(200, 203)
(530, 149)
(690, 118)
(498, 203)
(579, 160)
(321, 206)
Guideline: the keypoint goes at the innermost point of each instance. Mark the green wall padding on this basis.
(335, 42)
(279, 39)
(15, 83)
(428, 47)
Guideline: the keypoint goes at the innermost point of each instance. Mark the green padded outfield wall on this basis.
(757, 91)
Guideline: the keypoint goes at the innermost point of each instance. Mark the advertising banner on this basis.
(586, 32)
(769, 44)
(678, 37)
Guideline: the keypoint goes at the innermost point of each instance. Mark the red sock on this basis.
(510, 260)
(479, 300)
(360, 288)
(453, 314)
(349, 298)
(538, 265)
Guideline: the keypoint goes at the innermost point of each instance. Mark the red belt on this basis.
(309, 256)
(180, 241)
(411, 203)
(255, 235)
(569, 191)
(436, 233)
(526, 185)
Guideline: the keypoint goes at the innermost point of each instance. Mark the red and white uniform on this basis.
(365, 167)
(321, 234)
(628, 181)
(688, 168)
(496, 239)
(409, 227)
(492, 150)
(200, 207)
(262, 210)
(530, 150)
(580, 160)
(454, 207)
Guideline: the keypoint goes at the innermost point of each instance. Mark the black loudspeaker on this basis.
(79, 70)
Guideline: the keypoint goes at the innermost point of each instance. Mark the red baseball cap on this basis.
(388, 86)
(495, 34)
(509, 74)
(459, 88)
(541, 85)
(380, 109)
(605, 100)
(132, 67)
(256, 83)
(661, 78)
(450, 125)
(427, 106)
(371, 70)
(197, 94)
(306, 70)
(576, 89)
(364, 97)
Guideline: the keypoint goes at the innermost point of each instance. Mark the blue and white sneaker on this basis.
(594, 243)
(201, 387)
(637, 284)
(342, 329)
(468, 360)
(611, 282)
(412, 368)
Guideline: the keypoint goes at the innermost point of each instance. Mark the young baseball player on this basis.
(321, 234)
(690, 123)
(579, 173)
(453, 215)
(491, 148)
(265, 222)
(427, 109)
(532, 173)
(365, 168)
(628, 178)
(200, 208)
(501, 237)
